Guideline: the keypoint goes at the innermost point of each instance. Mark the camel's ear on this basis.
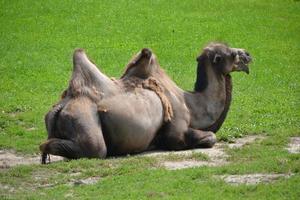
(213, 56)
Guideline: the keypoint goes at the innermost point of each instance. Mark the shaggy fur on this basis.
(98, 116)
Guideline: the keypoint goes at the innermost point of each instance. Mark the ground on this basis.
(36, 45)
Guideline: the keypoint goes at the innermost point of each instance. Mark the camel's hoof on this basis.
(44, 158)
(209, 141)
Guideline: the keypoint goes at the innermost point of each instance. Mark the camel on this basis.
(144, 109)
(198, 113)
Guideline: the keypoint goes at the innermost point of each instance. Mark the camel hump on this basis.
(141, 65)
(86, 77)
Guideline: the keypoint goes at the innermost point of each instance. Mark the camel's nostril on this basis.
(248, 57)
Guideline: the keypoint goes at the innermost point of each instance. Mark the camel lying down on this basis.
(144, 109)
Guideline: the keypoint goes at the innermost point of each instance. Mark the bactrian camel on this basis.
(144, 109)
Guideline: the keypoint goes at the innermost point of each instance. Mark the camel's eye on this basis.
(217, 59)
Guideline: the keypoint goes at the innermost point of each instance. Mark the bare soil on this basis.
(252, 179)
(74, 182)
(240, 142)
(294, 145)
(217, 155)
(10, 158)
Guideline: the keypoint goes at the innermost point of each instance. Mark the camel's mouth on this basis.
(241, 61)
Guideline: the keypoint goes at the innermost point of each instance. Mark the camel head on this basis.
(225, 59)
(142, 65)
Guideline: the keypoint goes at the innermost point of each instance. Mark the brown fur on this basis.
(154, 85)
(98, 116)
(152, 70)
(79, 88)
(218, 123)
(218, 55)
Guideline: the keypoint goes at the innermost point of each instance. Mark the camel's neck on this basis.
(218, 123)
(210, 102)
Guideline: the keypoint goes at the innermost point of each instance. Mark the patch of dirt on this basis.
(7, 188)
(87, 181)
(173, 165)
(73, 179)
(9, 159)
(252, 179)
(42, 181)
(156, 195)
(294, 145)
(240, 142)
(217, 155)
(73, 182)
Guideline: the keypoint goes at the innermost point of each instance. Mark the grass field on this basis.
(36, 45)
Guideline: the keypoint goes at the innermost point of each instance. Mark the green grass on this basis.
(36, 45)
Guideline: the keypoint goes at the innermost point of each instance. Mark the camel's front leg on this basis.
(189, 139)
(71, 149)
(176, 135)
